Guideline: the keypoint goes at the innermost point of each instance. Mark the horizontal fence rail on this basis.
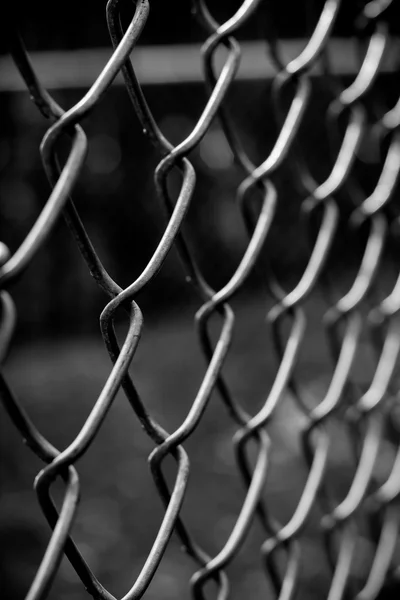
(155, 65)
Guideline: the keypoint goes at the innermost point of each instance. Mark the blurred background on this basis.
(58, 364)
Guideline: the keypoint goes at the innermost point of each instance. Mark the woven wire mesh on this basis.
(360, 308)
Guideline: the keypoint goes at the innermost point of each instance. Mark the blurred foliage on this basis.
(170, 23)
(117, 201)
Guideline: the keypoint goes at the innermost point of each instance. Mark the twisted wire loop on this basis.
(368, 415)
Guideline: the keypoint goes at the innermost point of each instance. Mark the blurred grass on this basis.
(120, 512)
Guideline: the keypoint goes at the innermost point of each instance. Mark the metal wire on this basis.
(367, 415)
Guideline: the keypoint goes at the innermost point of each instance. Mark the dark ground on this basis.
(119, 514)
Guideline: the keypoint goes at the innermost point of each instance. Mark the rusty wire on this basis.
(366, 414)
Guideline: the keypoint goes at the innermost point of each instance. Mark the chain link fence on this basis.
(361, 307)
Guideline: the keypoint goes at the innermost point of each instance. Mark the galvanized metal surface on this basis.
(369, 414)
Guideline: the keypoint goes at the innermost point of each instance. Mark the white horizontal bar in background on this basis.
(65, 69)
